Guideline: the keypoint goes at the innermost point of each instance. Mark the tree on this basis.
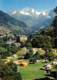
(42, 41)
(55, 31)
(54, 24)
(36, 56)
(3, 52)
(28, 55)
(29, 45)
(8, 71)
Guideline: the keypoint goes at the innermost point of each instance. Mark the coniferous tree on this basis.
(54, 24)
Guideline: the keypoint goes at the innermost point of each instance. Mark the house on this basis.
(22, 63)
(34, 50)
(21, 38)
(17, 44)
(10, 41)
(40, 50)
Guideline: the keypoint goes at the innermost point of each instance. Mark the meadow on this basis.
(33, 71)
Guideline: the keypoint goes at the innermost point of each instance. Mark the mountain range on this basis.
(25, 21)
(30, 16)
(34, 18)
(8, 22)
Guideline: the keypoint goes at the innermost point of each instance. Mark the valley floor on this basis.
(33, 71)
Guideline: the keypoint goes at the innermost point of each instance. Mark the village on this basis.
(20, 52)
(28, 47)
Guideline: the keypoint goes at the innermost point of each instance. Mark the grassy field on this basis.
(32, 71)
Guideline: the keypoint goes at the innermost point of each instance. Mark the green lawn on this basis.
(32, 71)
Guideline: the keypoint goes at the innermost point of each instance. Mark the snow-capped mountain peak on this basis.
(14, 12)
(29, 12)
(45, 13)
(34, 18)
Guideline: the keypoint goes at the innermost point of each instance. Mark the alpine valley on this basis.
(25, 21)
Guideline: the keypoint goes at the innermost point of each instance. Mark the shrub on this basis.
(9, 71)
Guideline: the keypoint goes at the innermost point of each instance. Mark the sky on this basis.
(11, 5)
